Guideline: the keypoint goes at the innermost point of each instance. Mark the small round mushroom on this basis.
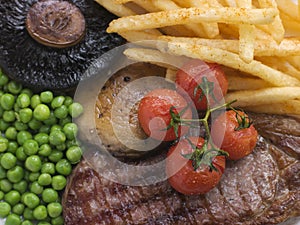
(48, 44)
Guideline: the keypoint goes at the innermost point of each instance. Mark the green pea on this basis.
(1, 110)
(33, 163)
(45, 179)
(5, 185)
(74, 154)
(68, 100)
(57, 221)
(2, 172)
(41, 138)
(57, 137)
(27, 222)
(31, 147)
(36, 188)
(64, 121)
(3, 144)
(35, 124)
(57, 102)
(20, 186)
(35, 101)
(22, 136)
(56, 127)
(40, 212)
(3, 79)
(4, 125)
(25, 115)
(18, 209)
(55, 156)
(54, 209)
(33, 176)
(9, 116)
(20, 154)
(70, 130)
(61, 112)
(14, 87)
(7, 101)
(75, 109)
(27, 91)
(15, 174)
(63, 167)
(48, 167)
(51, 120)
(49, 195)
(20, 126)
(46, 96)
(44, 223)
(1, 195)
(23, 100)
(8, 160)
(31, 200)
(73, 142)
(45, 129)
(12, 147)
(13, 219)
(4, 209)
(45, 150)
(41, 112)
(28, 214)
(12, 197)
(59, 182)
(61, 147)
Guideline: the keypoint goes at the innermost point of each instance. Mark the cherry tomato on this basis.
(190, 77)
(155, 117)
(181, 173)
(228, 134)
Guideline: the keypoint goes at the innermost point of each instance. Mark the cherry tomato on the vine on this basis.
(233, 133)
(155, 117)
(181, 173)
(189, 80)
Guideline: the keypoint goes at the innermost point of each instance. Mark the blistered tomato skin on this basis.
(191, 75)
(181, 174)
(154, 114)
(238, 143)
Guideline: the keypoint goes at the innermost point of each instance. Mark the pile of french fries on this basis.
(257, 42)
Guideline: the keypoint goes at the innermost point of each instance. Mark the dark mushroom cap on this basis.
(42, 67)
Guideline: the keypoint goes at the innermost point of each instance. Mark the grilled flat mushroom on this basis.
(48, 44)
(114, 109)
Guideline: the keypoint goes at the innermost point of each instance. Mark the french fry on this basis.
(121, 1)
(290, 107)
(275, 29)
(135, 36)
(233, 60)
(192, 15)
(169, 5)
(246, 42)
(117, 9)
(263, 96)
(171, 74)
(288, 46)
(154, 56)
(238, 83)
(211, 29)
(281, 65)
(291, 25)
(289, 8)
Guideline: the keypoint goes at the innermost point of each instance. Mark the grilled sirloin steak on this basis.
(262, 188)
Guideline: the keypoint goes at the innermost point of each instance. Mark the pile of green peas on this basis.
(38, 149)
